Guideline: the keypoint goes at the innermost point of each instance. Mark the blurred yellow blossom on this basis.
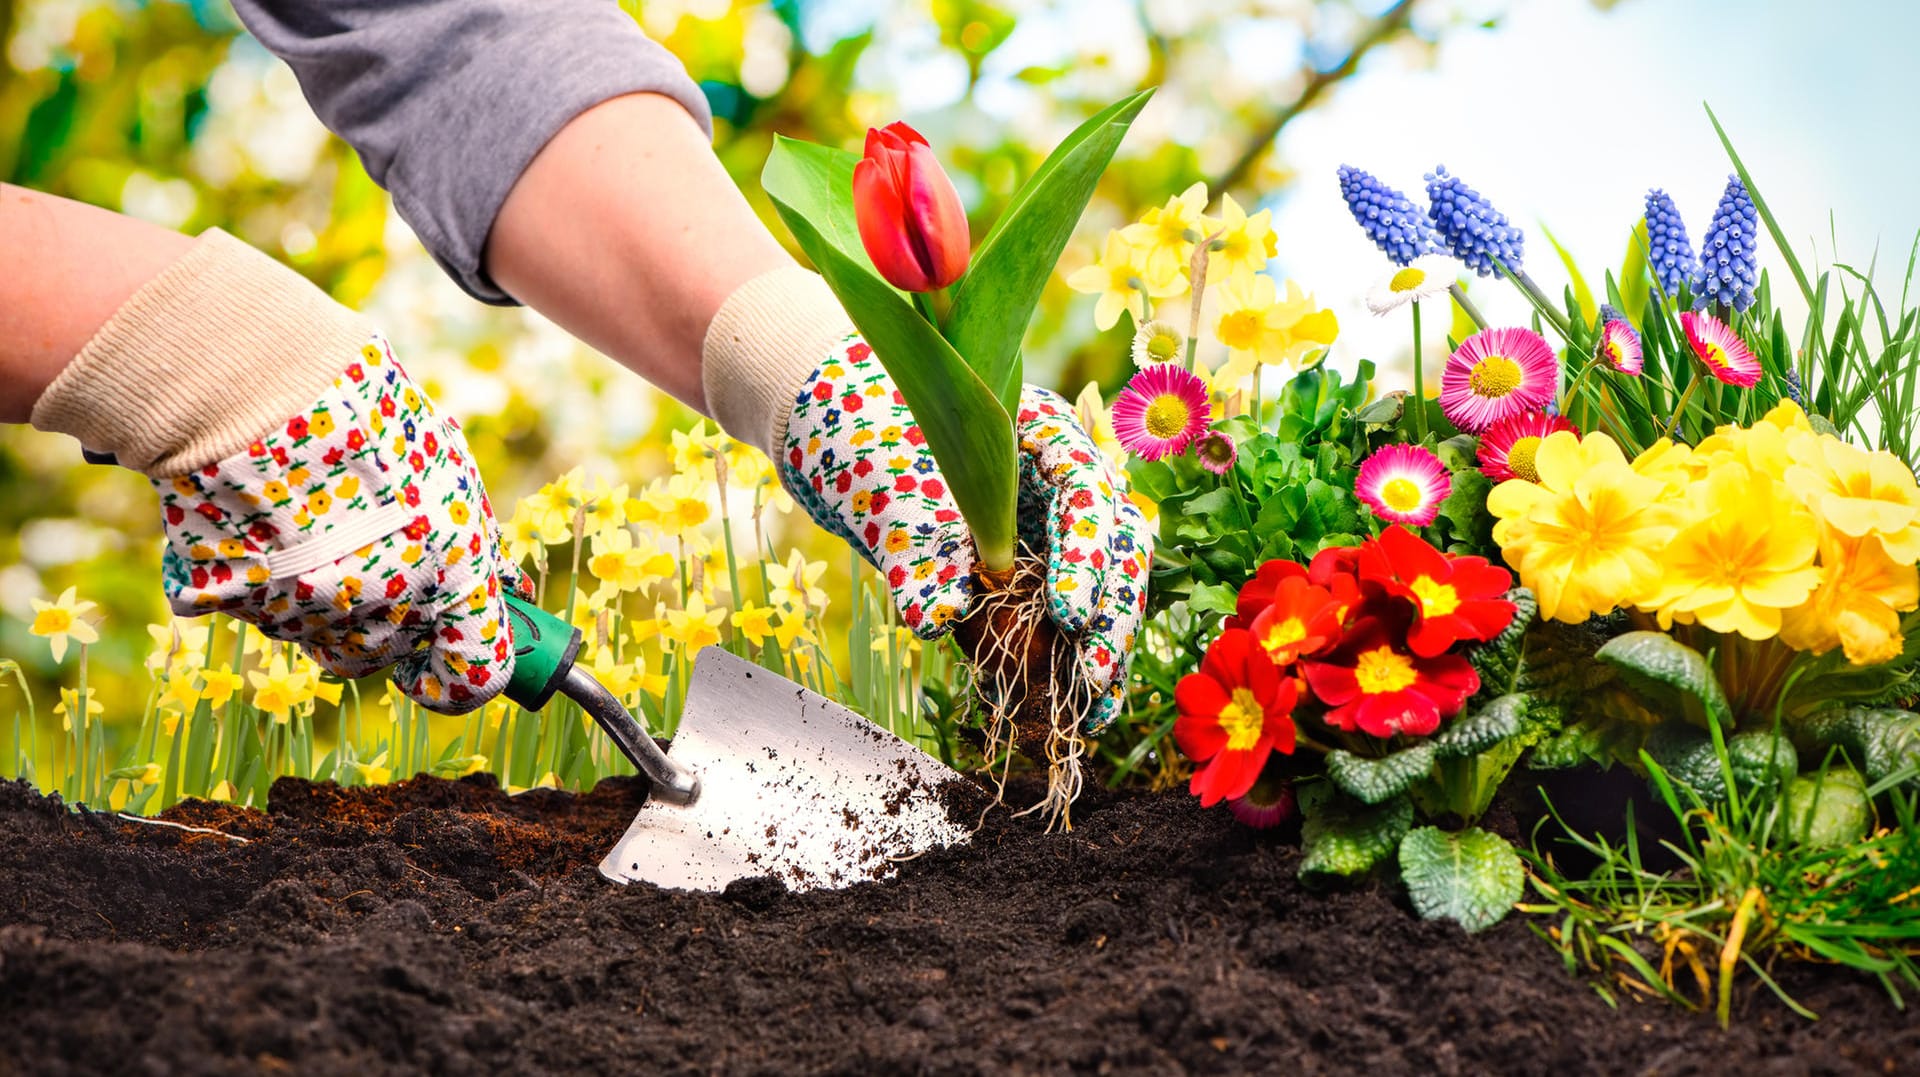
(1167, 234)
(696, 626)
(1245, 244)
(606, 508)
(69, 705)
(278, 690)
(178, 646)
(1121, 279)
(627, 565)
(61, 619)
(794, 585)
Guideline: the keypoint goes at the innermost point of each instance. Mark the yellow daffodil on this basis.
(1859, 493)
(696, 626)
(1261, 329)
(225, 793)
(754, 622)
(1858, 604)
(219, 685)
(794, 585)
(627, 565)
(1744, 556)
(1585, 538)
(1122, 281)
(69, 706)
(278, 690)
(902, 640)
(568, 492)
(694, 450)
(1245, 244)
(620, 678)
(178, 646)
(606, 508)
(791, 631)
(680, 503)
(62, 619)
(1167, 234)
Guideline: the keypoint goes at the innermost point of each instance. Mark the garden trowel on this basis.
(766, 778)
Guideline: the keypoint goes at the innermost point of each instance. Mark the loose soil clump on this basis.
(445, 926)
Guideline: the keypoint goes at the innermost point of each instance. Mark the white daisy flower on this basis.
(1158, 341)
(1425, 277)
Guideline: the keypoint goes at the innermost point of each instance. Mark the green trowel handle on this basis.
(544, 648)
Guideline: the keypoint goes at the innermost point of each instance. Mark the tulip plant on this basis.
(888, 233)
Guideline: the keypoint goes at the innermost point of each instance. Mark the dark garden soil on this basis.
(443, 927)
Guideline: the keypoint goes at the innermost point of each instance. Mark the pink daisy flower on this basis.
(1215, 451)
(1268, 804)
(1404, 484)
(1497, 373)
(1619, 347)
(1508, 446)
(1161, 411)
(1726, 355)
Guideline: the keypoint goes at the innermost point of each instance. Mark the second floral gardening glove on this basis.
(309, 486)
(784, 371)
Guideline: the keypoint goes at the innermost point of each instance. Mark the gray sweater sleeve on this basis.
(447, 101)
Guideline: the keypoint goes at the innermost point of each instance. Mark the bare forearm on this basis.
(628, 233)
(65, 268)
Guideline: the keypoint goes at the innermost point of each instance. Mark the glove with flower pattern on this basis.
(358, 528)
(854, 457)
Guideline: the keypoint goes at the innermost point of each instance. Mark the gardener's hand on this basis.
(309, 486)
(855, 458)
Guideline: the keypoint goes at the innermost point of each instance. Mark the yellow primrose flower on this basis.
(625, 565)
(1121, 280)
(1859, 493)
(754, 622)
(1246, 244)
(696, 626)
(794, 585)
(1585, 538)
(1858, 604)
(61, 619)
(1746, 556)
(1167, 234)
(278, 690)
(69, 706)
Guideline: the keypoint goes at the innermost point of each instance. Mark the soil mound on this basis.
(443, 926)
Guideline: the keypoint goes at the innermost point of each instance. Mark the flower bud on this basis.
(910, 217)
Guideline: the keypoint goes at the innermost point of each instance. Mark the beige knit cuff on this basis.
(208, 356)
(769, 335)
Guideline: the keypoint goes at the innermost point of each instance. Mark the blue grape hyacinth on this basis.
(1729, 252)
(1388, 217)
(1468, 225)
(1668, 253)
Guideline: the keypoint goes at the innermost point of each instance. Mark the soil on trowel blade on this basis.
(445, 927)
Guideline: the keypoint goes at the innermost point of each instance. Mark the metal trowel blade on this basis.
(792, 785)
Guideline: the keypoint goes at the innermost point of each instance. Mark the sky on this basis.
(1565, 114)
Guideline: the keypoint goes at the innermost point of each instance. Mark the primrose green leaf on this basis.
(1211, 598)
(1371, 781)
(994, 301)
(1486, 727)
(1881, 741)
(1760, 761)
(969, 433)
(1383, 412)
(1663, 670)
(1344, 838)
(1472, 877)
(1830, 810)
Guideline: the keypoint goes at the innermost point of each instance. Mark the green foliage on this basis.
(1673, 677)
(1371, 781)
(1757, 763)
(1343, 838)
(1882, 742)
(1829, 810)
(1470, 877)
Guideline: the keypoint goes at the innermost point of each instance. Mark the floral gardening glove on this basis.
(855, 458)
(357, 528)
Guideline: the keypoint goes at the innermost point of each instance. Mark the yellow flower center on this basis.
(1381, 670)
(1610, 350)
(1241, 719)
(1436, 599)
(1520, 458)
(1162, 347)
(1284, 635)
(1495, 376)
(1407, 280)
(1401, 494)
(52, 622)
(1240, 330)
(1714, 354)
(1167, 416)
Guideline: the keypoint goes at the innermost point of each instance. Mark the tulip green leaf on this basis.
(1472, 878)
(969, 433)
(993, 303)
(816, 182)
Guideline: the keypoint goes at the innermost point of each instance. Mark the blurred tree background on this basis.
(167, 110)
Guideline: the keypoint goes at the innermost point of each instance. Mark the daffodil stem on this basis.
(1542, 303)
(1472, 312)
(1673, 425)
(1579, 383)
(79, 723)
(726, 534)
(1419, 381)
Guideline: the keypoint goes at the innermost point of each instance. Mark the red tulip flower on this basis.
(1234, 714)
(910, 217)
